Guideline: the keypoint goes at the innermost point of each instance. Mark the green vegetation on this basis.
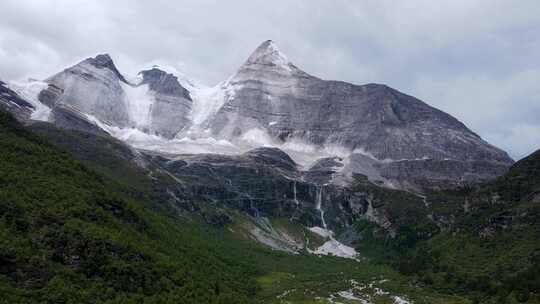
(80, 223)
(69, 236)
(486, 245)
(301, 278)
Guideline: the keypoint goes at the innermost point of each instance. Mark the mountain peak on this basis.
(104, 61)
(268, 54)
(163, 82)
(104, 58)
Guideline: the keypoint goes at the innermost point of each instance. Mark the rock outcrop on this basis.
(263, 182)
(171, 110)
(11, 102)
(94, 87)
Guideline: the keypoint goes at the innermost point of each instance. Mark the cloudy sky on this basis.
(477, 60)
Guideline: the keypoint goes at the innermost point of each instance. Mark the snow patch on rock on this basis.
(268, 53)
(335, 248)
(258, 138)
(30, 92)
(321, 231)
(139, 101)
(208, 100)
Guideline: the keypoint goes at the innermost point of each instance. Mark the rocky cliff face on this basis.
(270, 93)
(156, 103)
(273, 94)
(265, 182)
(94, 87)
(171, 110)
(11, 102)
(23, 101)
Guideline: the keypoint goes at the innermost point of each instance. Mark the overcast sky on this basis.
(477, 60)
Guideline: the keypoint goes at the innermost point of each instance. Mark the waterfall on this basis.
(331, 246)
(294, 193)
(318, 205)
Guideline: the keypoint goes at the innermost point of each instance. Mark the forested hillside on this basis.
(70, 235)
(482, 241)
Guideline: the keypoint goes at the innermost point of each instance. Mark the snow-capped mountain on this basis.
(379, 131)
(272, 94)
(335, 128)
(154, 103)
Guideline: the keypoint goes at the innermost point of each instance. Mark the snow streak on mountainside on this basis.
(30, 92)
(139, 103)
(171, 110)
(11, 102)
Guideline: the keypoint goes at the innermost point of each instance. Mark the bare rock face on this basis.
(94, 87)
(11, 102)
(157, 104)
(270, 93)
(70, 119)
(256, 89)
(264, 182)
(170, 112)
(440, 174)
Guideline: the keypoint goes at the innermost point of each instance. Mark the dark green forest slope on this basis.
(482, 242)
(71, 235)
